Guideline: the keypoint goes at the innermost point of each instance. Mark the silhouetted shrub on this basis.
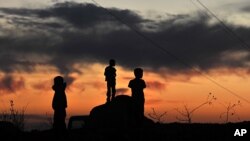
(15, 116)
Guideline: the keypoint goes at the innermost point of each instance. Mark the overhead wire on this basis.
(164, 50)
(225, 27)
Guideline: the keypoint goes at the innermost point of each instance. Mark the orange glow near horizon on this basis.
(162, 93)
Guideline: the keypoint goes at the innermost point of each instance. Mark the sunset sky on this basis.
(185, 52)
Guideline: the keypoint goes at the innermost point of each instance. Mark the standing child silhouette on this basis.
(137, 85)
(110, 74)
(59, 104)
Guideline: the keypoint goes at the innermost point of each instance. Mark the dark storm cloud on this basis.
(246, 9)
(80, 15)
(10, 84)
(69, 33)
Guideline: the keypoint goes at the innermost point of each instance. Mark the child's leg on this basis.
(108, 92)
(113, 92)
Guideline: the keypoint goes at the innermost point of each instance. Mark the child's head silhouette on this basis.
(112, 62)
(138, 73)
(58, 80)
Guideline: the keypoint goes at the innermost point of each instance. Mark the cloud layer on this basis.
(10, 84)
(69, 33)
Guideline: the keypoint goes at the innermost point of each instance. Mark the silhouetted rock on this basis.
(118, 113)
(78, 122)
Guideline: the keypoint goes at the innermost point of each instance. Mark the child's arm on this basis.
(105, 71)
(144, 84)
(130, 84)
(64, 85)
(114, 72)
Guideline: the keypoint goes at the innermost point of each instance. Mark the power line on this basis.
(203, 13)
(157, 45)
(225, 27)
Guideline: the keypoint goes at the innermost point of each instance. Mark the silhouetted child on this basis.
(110, 74)
(137, 85)
(59, 104)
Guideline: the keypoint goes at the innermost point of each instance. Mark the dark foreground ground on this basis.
(158, 132)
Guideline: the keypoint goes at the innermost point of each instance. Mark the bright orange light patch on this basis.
(162, 93)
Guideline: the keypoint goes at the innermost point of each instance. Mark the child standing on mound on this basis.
(59, 104)
(110, 74)
(137, 85)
